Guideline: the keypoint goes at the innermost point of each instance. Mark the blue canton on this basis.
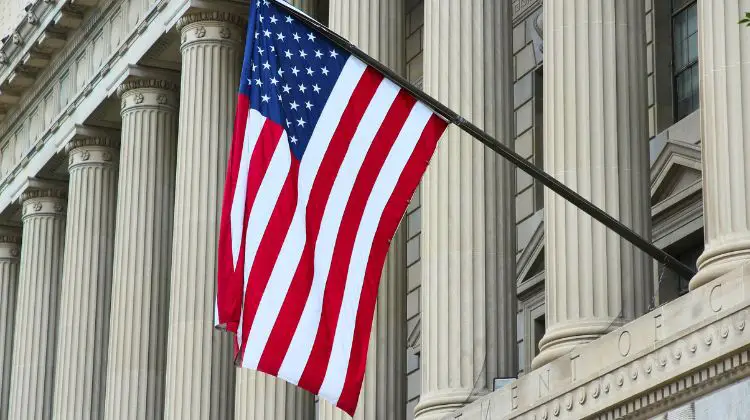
(289, 71)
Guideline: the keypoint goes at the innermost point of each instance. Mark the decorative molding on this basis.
(148, 93)
(523, 8)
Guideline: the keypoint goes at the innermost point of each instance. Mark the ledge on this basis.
(31, 44)
(688, 347)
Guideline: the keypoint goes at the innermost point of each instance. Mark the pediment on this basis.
(532, 256)
(676, 169)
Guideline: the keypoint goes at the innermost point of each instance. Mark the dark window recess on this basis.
(685, 57)
(539, 327)
(687, 251)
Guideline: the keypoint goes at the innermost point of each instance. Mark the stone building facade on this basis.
(498, 299)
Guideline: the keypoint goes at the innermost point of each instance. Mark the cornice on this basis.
(92, 141)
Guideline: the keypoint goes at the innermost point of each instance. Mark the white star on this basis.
(318, 54)
(273, 19)
(316, 88)
(310, 71)
(265, 3)
(301, 122)
(274, 81)
(288, 123)
(273, 49)
(266, 65)
(302, 88)
(279, 98)
(311, 37)
(281, 72)
(280, 36)
(295, 71)
(250, 82)
(254, 67)
(261, 50)
(265, 98)
(286, 88)
(289, 19)
(325, 71)
(288, 54)
(258, 3)
(308, 105)
(294, 140)
(334, 54)
(258, 82)
(294, 105)
(256, 35)
(261, 18)
(302, 53)
(296, 37)
(266, 33)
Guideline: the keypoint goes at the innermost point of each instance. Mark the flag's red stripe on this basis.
(299, 289)
(316, 367)
(268, 141)
(392, 214)
(228, 289)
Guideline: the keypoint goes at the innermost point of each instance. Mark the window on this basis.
(685, 56)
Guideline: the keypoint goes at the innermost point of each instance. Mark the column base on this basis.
(563, 338)
(719, 260)
(437, 405)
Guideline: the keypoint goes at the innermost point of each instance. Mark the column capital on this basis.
(210, 26)
(143, 93)
(92, 151)
(42, 198)
(10, 241)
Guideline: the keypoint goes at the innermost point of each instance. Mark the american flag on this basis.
(325, 157)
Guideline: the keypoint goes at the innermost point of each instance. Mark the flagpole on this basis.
(454, 118)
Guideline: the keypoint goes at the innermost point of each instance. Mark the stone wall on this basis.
(11, 11)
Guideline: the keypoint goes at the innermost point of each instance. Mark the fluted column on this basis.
(725, 110)
(136, 359)
(264, 397)
(200, 369)
(468, 255)
(33, 367)
(377, 27)
(595, 142)
(83, 327)
(10, 252)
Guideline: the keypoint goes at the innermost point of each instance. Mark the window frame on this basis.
(693, 64)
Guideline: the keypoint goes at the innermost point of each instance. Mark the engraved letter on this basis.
(714, 307)
(573, 358)
(657, 326)
(624, 343)
(543, 382)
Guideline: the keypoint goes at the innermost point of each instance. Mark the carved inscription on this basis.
(514, 396)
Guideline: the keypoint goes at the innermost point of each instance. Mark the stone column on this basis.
(724, 109)
(378, 27)
(136, 359)
(200, 368)
(596, 142)
(264, 397)
(468, 254)
(10, 240)
(83, 328)
(33, 365)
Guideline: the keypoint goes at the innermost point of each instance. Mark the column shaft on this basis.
(596, 142)
(468, 255)
(264, 397)
(200, 370)
(377, 27)
(37, 304)
(725, 110)
(10, 239)
(142, 251)
(83, 329)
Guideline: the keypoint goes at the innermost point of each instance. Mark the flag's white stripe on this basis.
(381, 193)
(291, 249)
(339, 195)
(237, 214)
(265, 201)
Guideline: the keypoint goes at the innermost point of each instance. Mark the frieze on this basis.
(641, 367)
